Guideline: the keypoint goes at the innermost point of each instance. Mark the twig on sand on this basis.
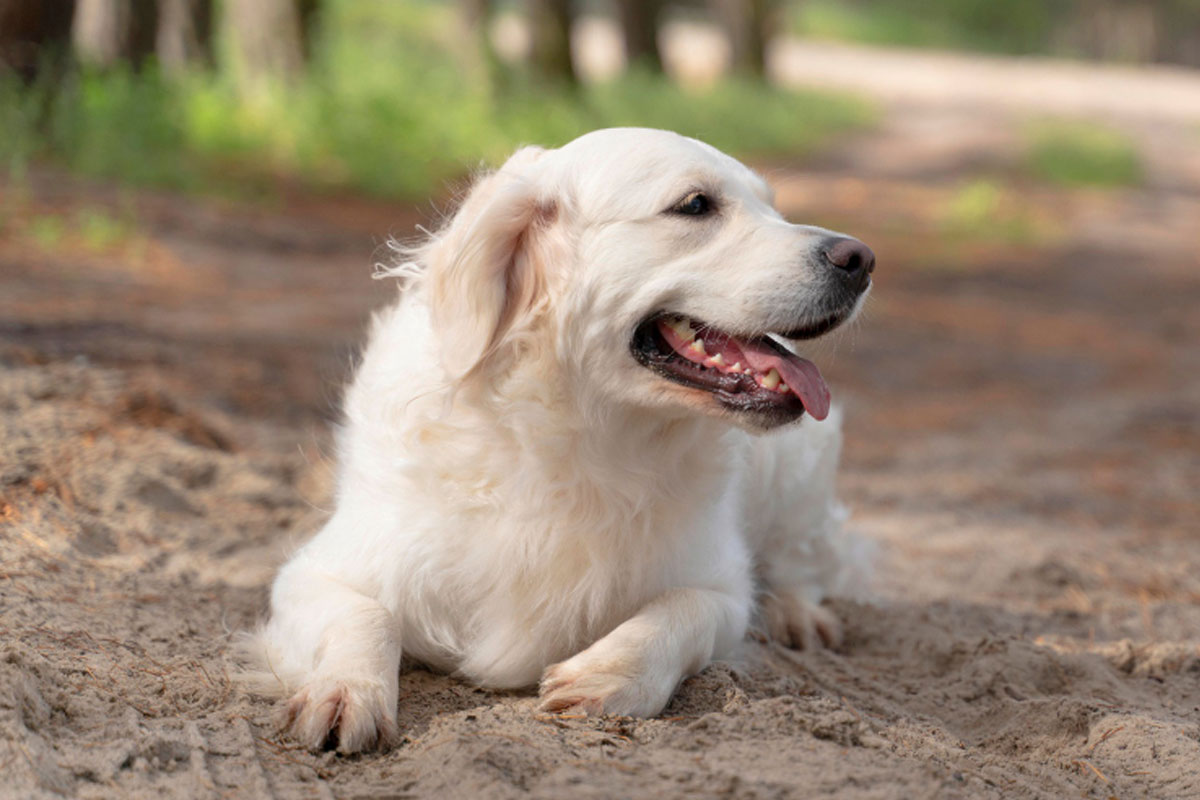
(850, 708)
(559, 719)
(1147, 613)
(579, 762)
(282, 752)
(1104, 737)
(475, 734)
(1080, 763)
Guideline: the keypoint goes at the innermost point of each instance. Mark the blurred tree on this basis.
(550, 26)
(309, 11)
(639, 28)
(1179, 21)
(35, 35)
(108, 31)
(184, 33)
(1137, 31)
(480, 55)
(749, 25)
(476, 14)
(1114, 30)
(268, 37)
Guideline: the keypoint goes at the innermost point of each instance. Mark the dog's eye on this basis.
(695, 204)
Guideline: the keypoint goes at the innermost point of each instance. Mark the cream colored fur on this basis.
(519, 501)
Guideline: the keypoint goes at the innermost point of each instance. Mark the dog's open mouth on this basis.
(745, 373)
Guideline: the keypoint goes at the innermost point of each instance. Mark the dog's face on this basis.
(661, 270)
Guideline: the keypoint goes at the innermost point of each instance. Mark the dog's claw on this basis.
(574, 687)
(798, 623)
(350, 717)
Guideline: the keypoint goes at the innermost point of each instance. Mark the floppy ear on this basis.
(484, 277)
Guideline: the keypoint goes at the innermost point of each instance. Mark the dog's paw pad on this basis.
(799, 623)
(349, 716)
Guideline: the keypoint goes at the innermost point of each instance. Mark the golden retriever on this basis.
(580, 450)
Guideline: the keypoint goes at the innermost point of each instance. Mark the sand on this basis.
(1007, 660)
(1023, 446)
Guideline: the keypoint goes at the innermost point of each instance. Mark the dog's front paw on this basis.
(347, 715)
(795, 622)
(581, 684)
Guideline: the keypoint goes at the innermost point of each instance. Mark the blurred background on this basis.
(197, 190)
(393, 98)
(193, 195)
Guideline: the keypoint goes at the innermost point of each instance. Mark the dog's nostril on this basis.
(850, 255)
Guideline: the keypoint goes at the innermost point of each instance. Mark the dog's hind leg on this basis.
(802, 554)
(337, 651)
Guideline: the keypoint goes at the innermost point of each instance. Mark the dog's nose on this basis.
(853, 260)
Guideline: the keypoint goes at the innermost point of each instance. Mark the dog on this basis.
(580, 451)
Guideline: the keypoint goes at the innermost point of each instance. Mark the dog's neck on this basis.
(532, 432)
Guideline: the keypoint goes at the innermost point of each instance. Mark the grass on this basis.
(394, 104)
(1072, 153)
(100, 232)
(987, 210)
(86, 230)
(1015, 26)
(48, 231)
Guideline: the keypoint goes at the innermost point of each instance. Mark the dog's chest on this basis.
(549, 585)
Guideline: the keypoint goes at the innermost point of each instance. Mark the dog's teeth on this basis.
(771, 380)
(717, 361)
(698, 347)
(737, 366)
(682, 328)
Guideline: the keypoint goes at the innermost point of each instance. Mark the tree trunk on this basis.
(108, 31)
(748, 24)
(550, 24)
(35, 36)
(1178, 23)
(309, 14)
(639, 27)
(266, 37)
(478, 54)
(184, 34)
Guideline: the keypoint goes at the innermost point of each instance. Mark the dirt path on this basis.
(1023, 443)
(990, 83)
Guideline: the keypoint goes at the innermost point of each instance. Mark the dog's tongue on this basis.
(800, 374)
(760, 355)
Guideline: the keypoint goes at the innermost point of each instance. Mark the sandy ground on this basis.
(1023, 444)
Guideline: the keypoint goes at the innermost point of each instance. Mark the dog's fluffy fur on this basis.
(519, 500)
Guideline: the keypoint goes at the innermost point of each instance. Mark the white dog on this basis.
(547, 471)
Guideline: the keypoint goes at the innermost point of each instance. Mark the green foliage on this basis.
(987, 210)
(47, 230)
(1012, 26)
(1081, 154)
(395, 102)
(1102, 29)
(100, 231)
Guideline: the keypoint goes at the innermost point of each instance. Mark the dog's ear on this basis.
(485, 273)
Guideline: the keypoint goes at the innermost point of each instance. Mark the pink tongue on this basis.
(801, 375)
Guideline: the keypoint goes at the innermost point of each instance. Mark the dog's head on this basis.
(642, 268)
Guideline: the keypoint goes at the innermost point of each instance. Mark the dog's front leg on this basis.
(633, 671)
(344, 648)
